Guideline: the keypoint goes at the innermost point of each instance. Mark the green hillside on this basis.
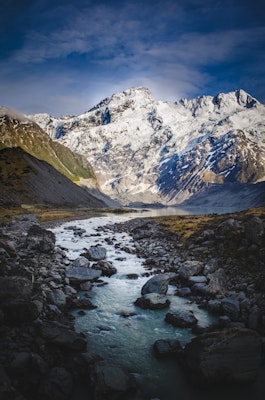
(23, 133)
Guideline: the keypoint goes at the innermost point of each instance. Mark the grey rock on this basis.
(228, 228)
(111, 382)
(57, 385)
(132, 276)
(224, 321)
(197, 279)
(167, 347)
(158, 284)
(86, 286)
(231, 307)
(80, 274)
(81, 303)
(27, 363)
(40, 239)
(254, 316)
(229, 356)
(183, 292)
(201, 289)
(153, 301)
(9, 247)
(15, 287)
(81, 262)
(57, 297)
(181, 318)
(96, 253)
(217, 282)
(209, 268)
(18, 311)
(214, 306)
(106, 267)
(70, 291)
(190, 268)
(254, 230)
(62, 336)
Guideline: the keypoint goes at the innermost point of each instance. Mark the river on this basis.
(128, 341)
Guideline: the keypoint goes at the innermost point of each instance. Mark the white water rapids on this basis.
(128, 341)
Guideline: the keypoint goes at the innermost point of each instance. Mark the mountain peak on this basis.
(147, 150)
(245, 99)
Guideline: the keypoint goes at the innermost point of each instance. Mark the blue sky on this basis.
(63, 57)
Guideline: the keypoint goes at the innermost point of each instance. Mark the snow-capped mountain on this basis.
(144, 150)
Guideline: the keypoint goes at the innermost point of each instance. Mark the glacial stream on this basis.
(128, 341)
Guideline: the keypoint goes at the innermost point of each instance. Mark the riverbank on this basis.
(219, 266)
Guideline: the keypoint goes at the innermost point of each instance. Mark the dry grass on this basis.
(184, 226)
(187, 225)
(44, 214)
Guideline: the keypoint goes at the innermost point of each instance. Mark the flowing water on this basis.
(128, 341)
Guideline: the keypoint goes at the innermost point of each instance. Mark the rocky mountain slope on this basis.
(144, 150)
(26, 180)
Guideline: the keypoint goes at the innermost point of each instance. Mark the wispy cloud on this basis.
(73, 53)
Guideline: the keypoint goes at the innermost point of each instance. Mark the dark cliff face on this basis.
(26, 180)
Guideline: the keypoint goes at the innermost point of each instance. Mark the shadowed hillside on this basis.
(26, 180)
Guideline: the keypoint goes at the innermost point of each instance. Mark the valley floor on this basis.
(218, 262)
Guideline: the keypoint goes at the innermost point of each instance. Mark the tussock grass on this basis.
(43, 213)
(188, 225)
(184, 226)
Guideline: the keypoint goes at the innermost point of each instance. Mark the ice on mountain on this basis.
(105, 116)
(148, 144)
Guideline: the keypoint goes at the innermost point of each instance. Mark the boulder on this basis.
(217, 282)
(181, 318)
(18, 311)
(158, 284)
(197, 279)
(86, 286)
(132, 276)
(80, 274)
(57, 297)
(56, 385)
(228, 228)
(9, 247)
(111, 382)
(167, 347)
(231, 307)
(254, 230)
(183, 292)
(152, 301)
(26, 370)
(96, 253)
(228, 356)
(40, 239)
(190, 268)
(254, 317)
(62, 336)
(81, 303)
(81, 262)
(214, 306)
(201, 289)
(15, 287)
(106, 267)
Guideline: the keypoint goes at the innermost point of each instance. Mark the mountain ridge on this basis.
(17, 130)
(145, 150)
